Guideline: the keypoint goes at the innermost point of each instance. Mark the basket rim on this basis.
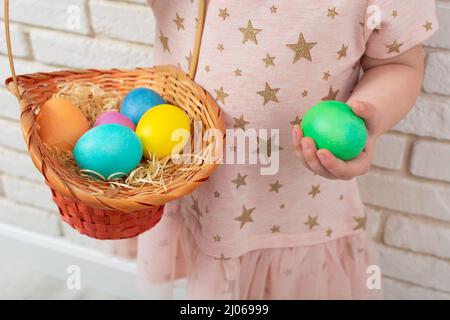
(130, 204)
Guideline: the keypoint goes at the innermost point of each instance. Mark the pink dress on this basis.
(288, 234)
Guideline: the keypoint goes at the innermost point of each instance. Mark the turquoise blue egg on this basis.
(138, 102)
(109, 151)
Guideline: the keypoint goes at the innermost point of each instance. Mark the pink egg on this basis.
(110, 117)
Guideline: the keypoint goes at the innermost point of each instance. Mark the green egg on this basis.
(333, 126)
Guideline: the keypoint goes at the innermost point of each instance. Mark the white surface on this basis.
(18, 282)
(52, 256)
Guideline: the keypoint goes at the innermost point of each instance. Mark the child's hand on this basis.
(325, 164)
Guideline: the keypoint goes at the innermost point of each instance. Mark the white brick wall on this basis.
(407, 193)
(409, 185)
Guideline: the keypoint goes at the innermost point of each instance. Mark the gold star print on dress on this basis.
(312, 222)
(269, 94)
(332, 95)
(343, 52)
(394, 47)
(297, 121)
(221, 95)
(238, 72)
(326, 75)
(428, 26)
(332, 13)
(223, 13)
(360, 222)
(250, 33)
(315, 190)
(179, 21)
(275, 187)
(269, 61)
(240, 180)
(246, 216)
(302, 49)
(273, 9)
(164, 41)
(275, 229)
(240, 123)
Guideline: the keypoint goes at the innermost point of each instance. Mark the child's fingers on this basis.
(334, 165)
(299, 154)
(297, 136)
(309, 153)
(345, 170)
(370, 115)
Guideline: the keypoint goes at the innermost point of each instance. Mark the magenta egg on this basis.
(114, 117)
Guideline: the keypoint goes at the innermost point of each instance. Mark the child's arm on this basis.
(384, 95)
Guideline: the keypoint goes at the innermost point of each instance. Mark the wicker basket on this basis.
(125, 213)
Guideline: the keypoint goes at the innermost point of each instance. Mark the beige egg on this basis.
(61, 124)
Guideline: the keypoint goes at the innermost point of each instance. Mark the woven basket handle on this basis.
(9, 49)
(198, 39)
(192, 68)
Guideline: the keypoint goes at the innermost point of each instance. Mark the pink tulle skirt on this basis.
(332, 270)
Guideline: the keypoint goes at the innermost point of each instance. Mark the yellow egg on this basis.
(159, 131)
(60, 124)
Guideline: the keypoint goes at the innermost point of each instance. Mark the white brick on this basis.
(30, 218)
(18, 164)
(19, 41)
(123, 21)
(390, 151)
(403, 194)
(374, 218)
(441, 39)
(22, 67)
(431, 159)
(437, 78)
(12, 136)
(397, 290)
(134, 1)
(82, 52)
(414, 268)
(9, 107)
(29, 193)
(417, 236)
(429, 118)
(68, 15)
